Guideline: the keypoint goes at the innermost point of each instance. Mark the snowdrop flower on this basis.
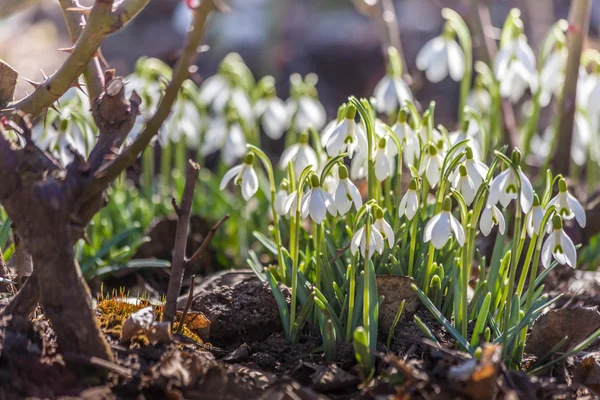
(464, 184)
(347, 135)
(559, 246)
(281, 197)
(225, 136)
(391, 92)
(476, 170)
(440, 56)
(243, 175)
(582, 136)
(515, 69)
(492, 216)
(273, 115)
(469, 132)
(410, 201)
(552, 74)
(383, 227)
(359, 240)
(217, 92)
(534, 218)
(480, 100)
(504, 187)
(431, 165)
(411, 145)
(568, 205)
(383, 166)
(440, 228)
(184, 121)
(301, 154)
(346, 193)
(306, 112)
(316, 202)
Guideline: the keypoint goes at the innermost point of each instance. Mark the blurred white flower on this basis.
(533, 222)
(442, 56)
(301, 154)
(217, 92)
(273, 115)
(515, 69)
(225, 136)
(480, 100)
(306, 112)
(391, 93)
(552, 75)
(359, 240)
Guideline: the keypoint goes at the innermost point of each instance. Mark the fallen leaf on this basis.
(139, 321)
(549, 329)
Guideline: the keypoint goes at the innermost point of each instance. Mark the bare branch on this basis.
(187, 304)
(196, 256)
(101, 23)
(183, 223)
(180, 73)
(94, 79)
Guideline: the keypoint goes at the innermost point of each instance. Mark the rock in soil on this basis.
(244, 312)
(396, 289)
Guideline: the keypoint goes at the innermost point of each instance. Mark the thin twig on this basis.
(579, 23)
(98, 362)
(94, 78)
(180, 73)
(339, 253)
(187, 304)
(183, 223)
(101, 23)
(206, 241)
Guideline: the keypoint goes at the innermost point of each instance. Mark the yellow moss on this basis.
(114, 310)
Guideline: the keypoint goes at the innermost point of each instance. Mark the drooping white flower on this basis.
(515, 69)
(504, 188)
(280, 198)
(225, 136)
(469, 132)
(218, 93)
(480, 100)
(346, 193)
(410, 201)
(534, 219)
(552, 74)
(359, 241)
(411, 146)
(383, 165)
(301, 154)
(568, 206)
(441, 226)
(464, 184)
(273, 115)
(347, 136)
(559, 245)
(491, 216)
(383, 227)
(306, 112)
(244, 176)
(442, 56)
(391, 92)
(317, 202)
(431, 165)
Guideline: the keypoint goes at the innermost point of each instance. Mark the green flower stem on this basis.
(413, 243)
(511, 274)
(431, 253)
(525, 270)
(318, 228)
(532, 124)
(351, 298)
(367, 281)
(364, 109)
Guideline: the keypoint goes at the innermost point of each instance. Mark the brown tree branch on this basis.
(94, 78)
(183, 223)
(102, 22)
(187, 304)
(196, 256)
(180, 73)
(579, 23)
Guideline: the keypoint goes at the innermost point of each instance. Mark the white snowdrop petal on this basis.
(486, 223)
(229, 175)
(458, 230)
(288, 155)
(428, 231)
(526, 193)
(569, 250)
(441, 231)
(547, 249)
(356, 240)
(577, 209)
(456, 61)
(317, 207)
(249, 183)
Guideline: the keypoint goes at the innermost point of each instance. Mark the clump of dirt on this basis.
(243, 313)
